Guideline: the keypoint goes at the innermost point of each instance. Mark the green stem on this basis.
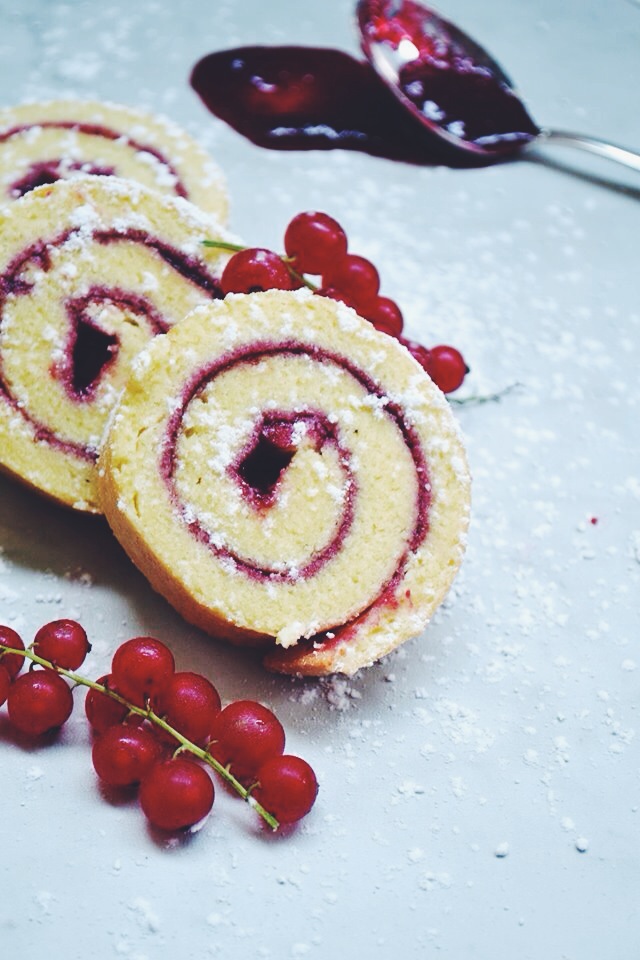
(478, 398)
(299, 277)
(149, 714)
(224, 245)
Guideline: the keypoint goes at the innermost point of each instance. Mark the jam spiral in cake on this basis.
(286, 475)
(44, 142)
(90, 270)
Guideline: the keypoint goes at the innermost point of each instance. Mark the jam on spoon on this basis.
(449, 83)
(454, 87)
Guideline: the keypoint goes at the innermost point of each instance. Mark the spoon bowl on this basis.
(454, 88)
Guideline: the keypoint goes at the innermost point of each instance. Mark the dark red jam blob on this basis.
(297, 98)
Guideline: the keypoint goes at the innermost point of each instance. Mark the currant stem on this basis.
(149, 714)
(477, 399)
(223, 245)
(299, 276)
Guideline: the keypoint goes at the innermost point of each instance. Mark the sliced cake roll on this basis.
(90, 270)
(44, 142)
(286, 475)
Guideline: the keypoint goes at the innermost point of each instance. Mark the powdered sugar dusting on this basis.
(479, 788)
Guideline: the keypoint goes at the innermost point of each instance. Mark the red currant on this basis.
(447, 368)
(39, 701)
(123, 755)
(445, 365)
(189, 703)
(255, 269)
(418, 352)
(334, 294)
(385, 315)
(356, 278)
(62, 642)
(176, 793)
(287, 788)
(315, 241)
(244, 735)
(102, 710)
(141, 668)
(5, 684)
(12, 662)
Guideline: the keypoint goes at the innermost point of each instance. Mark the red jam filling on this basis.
(265, 475)
(47, 168)
(89, 349)
(262, 468)
(49, 171)
(272, 447)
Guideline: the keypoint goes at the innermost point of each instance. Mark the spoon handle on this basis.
(591, 144)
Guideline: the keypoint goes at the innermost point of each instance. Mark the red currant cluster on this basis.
(316, 244)
(156, 727)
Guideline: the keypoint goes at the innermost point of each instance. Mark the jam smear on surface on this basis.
(299, 98)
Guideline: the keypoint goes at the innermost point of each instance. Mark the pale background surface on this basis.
(509, 728)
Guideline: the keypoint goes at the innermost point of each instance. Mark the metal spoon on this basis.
(455, 88)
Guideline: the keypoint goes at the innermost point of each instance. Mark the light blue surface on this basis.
(480, 789)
